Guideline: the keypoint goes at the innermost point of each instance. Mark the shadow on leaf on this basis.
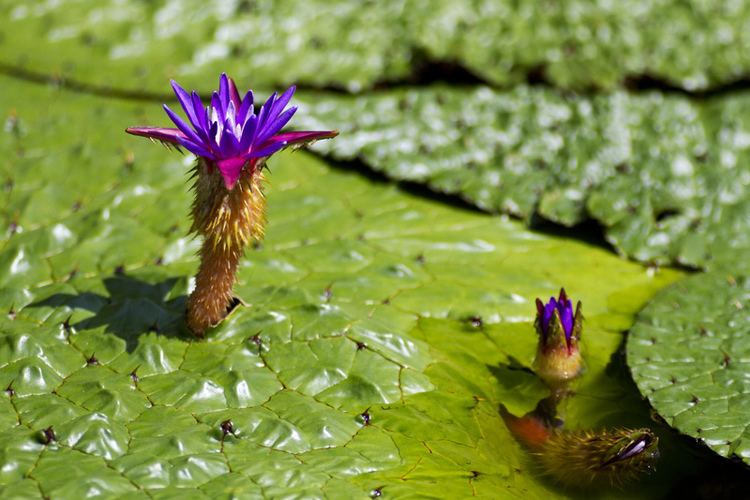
(132, 307)
(519, 388)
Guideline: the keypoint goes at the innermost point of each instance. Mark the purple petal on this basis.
(566, 316)
(248, 133)
(171, 135)
(270, 147)
(283, 100)
(280, 141)
(224, 92)
(277, 124)
(184, 127)
(212, 133)
(265, 111)
(196, 149)
(229, 145)
(234, 96)
(230, 170)
(247, 105)
(304, 136)
(549, 310)
(187, 103)
(231, 118)
(200, 111)
(539, 307)
(217, 105)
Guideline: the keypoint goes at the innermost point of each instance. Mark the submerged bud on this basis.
(558, 358)
(579, 458)
(613, 456)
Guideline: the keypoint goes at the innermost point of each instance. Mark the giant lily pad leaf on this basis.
(688, 353)
(141, 45)
(584, 44)
(574, 44)
(379, 334)
(665, 176)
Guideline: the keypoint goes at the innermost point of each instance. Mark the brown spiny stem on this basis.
(210, 300)
(227, 220)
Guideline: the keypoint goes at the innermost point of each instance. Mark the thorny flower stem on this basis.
(227, 220)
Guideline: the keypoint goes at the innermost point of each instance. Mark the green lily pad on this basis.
(381, 331)
(688, 353)
(355, 45)
(581, 44)
(664, 194)
(141, 45)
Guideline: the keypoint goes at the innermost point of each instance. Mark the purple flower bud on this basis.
(558, 358)
(560, 309)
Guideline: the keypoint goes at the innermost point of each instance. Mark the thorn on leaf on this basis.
(365, 417)
(227, 427)
(49, 435)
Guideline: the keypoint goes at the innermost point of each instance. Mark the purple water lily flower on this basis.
(227, 132)
(557, 317)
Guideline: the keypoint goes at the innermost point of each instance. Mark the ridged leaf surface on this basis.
(380, 333)
(666, 176)
(689, 354)
(578, 44)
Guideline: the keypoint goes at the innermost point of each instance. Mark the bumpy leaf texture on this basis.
(380, 334)
(666, 176)
(689, 355)
(576, 44)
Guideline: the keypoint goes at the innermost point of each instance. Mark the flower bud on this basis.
(558, 358)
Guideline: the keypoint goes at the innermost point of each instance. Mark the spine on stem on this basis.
(227, 220)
